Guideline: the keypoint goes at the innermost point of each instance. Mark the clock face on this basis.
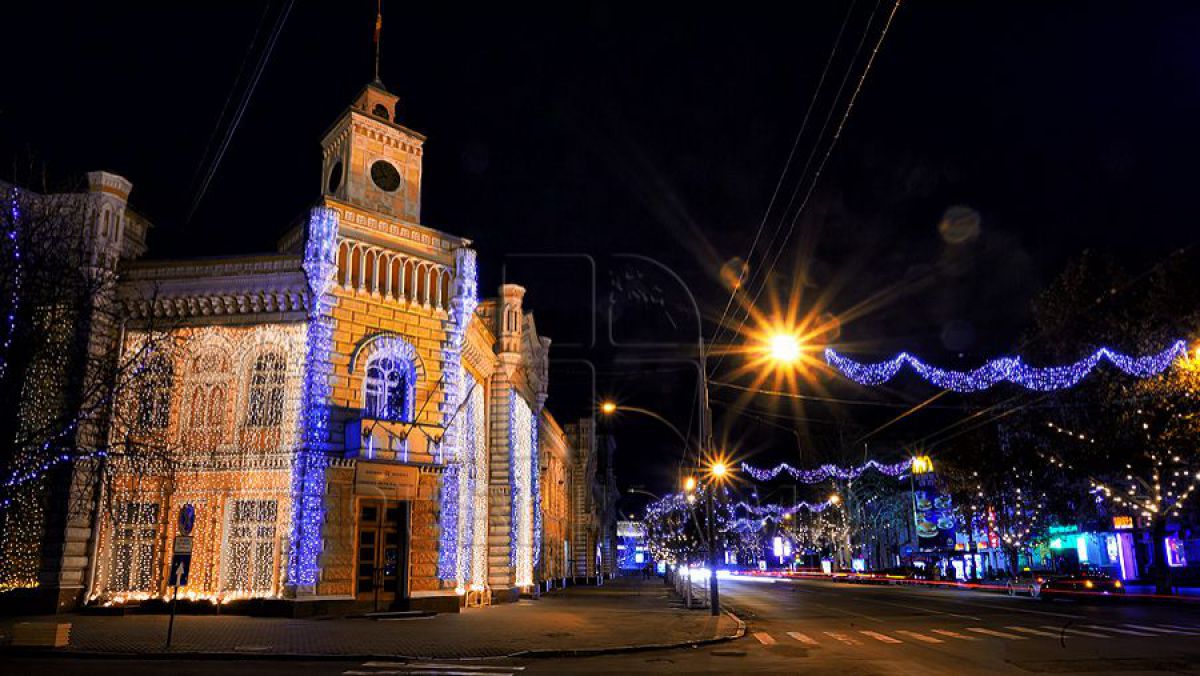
(385, 176)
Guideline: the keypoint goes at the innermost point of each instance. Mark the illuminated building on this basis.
(349, 420)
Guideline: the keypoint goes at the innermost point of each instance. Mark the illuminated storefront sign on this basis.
(1175, 555)
(1123, 523)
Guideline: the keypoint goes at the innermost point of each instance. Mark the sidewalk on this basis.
(624, 614)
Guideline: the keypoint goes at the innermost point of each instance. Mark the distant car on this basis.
(1082, 583)
(1030, 582)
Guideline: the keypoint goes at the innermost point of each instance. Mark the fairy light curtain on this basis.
(217, 438)
(521, 438)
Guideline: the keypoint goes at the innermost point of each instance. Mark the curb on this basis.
(738, 632)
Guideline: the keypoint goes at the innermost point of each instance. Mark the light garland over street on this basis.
(829, 471)
(1006, 369)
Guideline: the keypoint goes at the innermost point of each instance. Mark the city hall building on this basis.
(343, 421)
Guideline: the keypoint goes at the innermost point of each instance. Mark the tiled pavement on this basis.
(624, 612)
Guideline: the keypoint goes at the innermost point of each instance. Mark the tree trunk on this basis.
(1160, 571)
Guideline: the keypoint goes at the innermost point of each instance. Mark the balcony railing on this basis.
(376, 439)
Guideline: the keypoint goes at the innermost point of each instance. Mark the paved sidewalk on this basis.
(625, 613)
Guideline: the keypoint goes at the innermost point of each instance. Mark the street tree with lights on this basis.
(1135, 441)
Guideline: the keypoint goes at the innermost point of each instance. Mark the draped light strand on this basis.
(830, 471)
(1006, 369)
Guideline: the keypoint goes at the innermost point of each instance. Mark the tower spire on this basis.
(378, 32)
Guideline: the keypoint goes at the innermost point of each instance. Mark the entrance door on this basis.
(382, 559)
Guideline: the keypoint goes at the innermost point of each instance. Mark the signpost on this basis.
(181, 559)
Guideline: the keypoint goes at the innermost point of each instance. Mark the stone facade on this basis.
(555, 462)
(347, 419)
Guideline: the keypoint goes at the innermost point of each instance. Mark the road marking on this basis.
(1119, 630)
(879, 637)
(1171, 630)
(919, 637)
(1035, 632)
(1177, 626)
(954, 634)
(997, 634)
(442, 665)
(764, 638)
(1019, 610)
(848, 640)
(926, 610)
(1075, 632)
(447, 671)
(802, 638)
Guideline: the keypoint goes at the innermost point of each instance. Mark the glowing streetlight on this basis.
(783, 347)
(834, 499)
(608, 407)
(718, 470)
(689, 484)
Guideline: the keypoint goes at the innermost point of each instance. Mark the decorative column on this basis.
(458, 481)
(311, 459)
(501, 523)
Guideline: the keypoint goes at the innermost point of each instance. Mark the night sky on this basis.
(562, 137)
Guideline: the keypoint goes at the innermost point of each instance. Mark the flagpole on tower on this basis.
(378, 31)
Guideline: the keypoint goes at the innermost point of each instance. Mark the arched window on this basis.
(206, 386)
(266, 391)
(389, 385)
(154, 394)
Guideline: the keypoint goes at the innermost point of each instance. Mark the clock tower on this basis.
(370, 161)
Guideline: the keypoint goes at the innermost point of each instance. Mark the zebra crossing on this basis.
(939, 635)
(378, 668)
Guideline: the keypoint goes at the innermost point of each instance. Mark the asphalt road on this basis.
(818, 627)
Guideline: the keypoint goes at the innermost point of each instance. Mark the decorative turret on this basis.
(510, 318)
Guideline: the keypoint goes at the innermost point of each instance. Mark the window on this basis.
(154, 394)
(389, 386)
(380, 110)
(206, 400)
(250, 546)
(266, 391)
(135, 530)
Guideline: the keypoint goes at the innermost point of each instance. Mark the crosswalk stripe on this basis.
(1171, 630)
(1075, 632)
(1119, 630)
(919, 637)
(849, 640)
(802, 638)
(997, 634)
(764, 638)
(954, 634)
(884, 638)
(1035, 632)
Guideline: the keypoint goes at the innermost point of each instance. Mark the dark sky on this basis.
(580, 129)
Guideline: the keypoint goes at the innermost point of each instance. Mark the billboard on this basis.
(933, 512)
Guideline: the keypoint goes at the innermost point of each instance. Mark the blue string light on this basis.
(308, 470)
(812, 476)
(536, 490)
(13, 236)
(779, 511)
(1006, 369)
